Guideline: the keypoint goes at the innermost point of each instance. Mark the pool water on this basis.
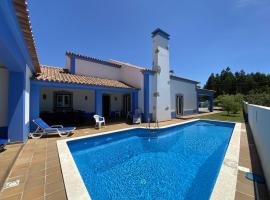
(179, 162)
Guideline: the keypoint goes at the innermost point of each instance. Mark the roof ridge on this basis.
(50, 66)
(68, 53)
(126, 63)
(185, 79)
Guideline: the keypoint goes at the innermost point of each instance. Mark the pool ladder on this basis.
(156, 127)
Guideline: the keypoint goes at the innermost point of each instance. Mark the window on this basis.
(63, 101)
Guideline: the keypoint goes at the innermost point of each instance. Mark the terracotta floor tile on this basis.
(54, 187)
(57, 195)
(33, 193)
(245, 188)
(39, 159)
(37, 167)
(56, 169)
(13, 197)
(54, 177)
(53, 163)
(39, 154)
(34, 182)
(241, 196)
(19, 172)
(19, 166)
(52, 156)
(7, 158)
(22, 179)
(12, 191)
(245, 163)
(241, 177)
(36, 173)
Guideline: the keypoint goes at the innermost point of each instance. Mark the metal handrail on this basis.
(149, 124)
(157, 124)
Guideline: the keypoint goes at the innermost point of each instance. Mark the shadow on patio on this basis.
(249, 159)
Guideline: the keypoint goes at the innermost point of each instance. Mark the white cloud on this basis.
(245, 3)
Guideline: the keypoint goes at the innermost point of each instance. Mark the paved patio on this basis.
(249, 159)
(7, 159)
(39, 173)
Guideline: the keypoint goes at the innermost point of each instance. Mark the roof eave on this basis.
(92, 59)
(184, 79)
(22, 14)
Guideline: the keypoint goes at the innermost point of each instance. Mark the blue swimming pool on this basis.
(179, 162)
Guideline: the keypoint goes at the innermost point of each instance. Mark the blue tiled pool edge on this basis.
(74, 184)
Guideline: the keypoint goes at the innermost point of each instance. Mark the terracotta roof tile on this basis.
(61, 75)
(22, 14)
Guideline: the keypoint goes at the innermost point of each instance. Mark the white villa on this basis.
(85, 85)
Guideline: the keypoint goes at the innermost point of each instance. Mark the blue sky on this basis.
(206, 36)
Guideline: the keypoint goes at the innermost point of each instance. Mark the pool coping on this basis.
(225, 185)
(76, 189)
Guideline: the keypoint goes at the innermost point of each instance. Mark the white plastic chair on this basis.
(129, 115)
(137, 117)
(99, 120)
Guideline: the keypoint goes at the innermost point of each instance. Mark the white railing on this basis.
(259, 122)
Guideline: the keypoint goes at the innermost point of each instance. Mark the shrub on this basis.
(217, 101)
(258, 97)
(230, 103)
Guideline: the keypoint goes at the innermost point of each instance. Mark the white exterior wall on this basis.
(84, 67)
(258, 119)
(162, 103)
(134, 77)
(129, 75)
(116, 101)
(79, 102)
(188, 90)
(68, 63)
(4, 97)
(28, 75)
(152, 99)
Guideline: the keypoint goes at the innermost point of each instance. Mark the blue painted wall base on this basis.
(17, 130)
(34, 105)
(173, 114)
(4, 132)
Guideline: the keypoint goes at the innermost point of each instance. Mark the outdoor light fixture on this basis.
(44, 96)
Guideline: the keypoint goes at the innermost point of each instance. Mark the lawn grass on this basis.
(223, 116)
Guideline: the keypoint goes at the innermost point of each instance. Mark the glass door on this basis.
(179, 105)
(127, 104)
(63, 101)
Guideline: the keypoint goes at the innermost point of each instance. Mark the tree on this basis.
(230, 83)
(231, 103)
(211, 82)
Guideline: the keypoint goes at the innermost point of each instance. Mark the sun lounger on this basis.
(43, 129)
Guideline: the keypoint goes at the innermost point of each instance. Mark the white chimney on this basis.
(162, 98)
